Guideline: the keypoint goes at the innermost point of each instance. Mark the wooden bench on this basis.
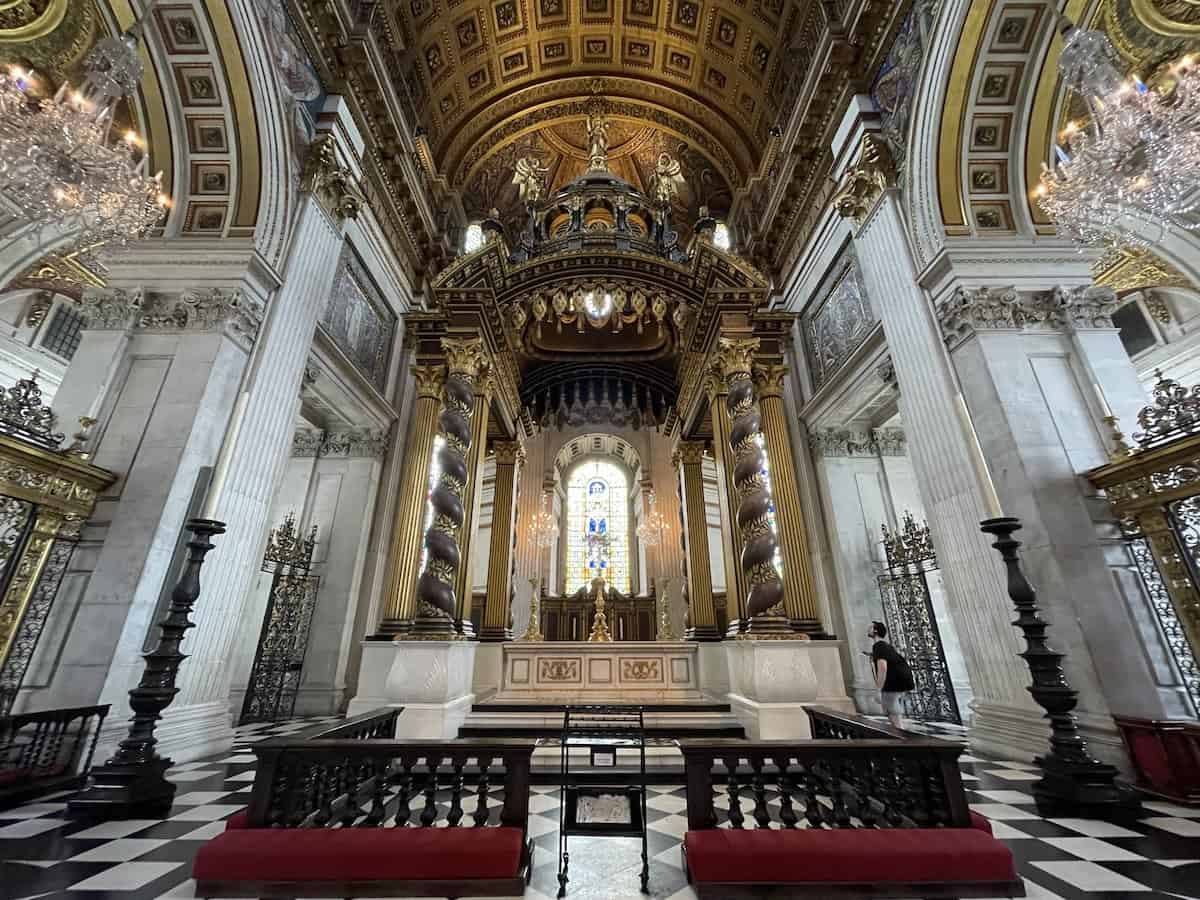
(346, 817)
(856, 818)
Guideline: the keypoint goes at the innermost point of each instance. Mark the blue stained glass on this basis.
(597, 525)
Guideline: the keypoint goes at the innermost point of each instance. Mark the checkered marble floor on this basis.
(43, 853)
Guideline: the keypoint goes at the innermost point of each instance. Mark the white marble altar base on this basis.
(770, 683)
(430, 679)
(616, 671)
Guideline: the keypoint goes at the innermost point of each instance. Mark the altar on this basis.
(610, 671)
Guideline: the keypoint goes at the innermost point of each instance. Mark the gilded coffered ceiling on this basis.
(700, 77)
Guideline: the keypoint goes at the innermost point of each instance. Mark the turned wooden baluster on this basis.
(404, 788)
(454, 816)
(736, 819)
(429, 813)
(787, 785)
(761, 815)
(481, 808)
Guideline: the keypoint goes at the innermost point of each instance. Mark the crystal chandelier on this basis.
(1135, 161)
(545, 528)
(650, 530)
(61, 167)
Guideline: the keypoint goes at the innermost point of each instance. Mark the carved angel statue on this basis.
(668, 178)
(597, 130)
(529, 175)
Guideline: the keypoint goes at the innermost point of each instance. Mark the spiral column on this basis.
(435, 588)
(764, 597)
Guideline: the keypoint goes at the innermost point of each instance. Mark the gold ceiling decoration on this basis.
(600, 305)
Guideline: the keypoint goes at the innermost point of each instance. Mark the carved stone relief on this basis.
(358, 321)
(838, 322)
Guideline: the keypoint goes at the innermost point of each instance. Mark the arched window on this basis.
(597, 525)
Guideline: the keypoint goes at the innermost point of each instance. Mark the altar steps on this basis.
(665, 723)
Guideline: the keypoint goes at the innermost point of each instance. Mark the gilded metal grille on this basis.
(20, 653)
(16, 517)
(1168, 621)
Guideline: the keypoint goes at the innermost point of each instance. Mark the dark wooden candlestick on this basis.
(133, 783)
(1073, 781)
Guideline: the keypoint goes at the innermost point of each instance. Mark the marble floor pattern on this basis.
(44, 854)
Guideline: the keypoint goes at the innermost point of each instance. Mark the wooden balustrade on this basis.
(47, 750)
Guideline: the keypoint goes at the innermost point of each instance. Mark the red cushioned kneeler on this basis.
(240, 819)
(359, 854)
(977, 821)
(907, 855)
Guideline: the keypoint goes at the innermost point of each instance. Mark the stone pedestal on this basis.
(430, 679)
(770, 683)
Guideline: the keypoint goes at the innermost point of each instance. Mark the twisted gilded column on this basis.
(405, 553)
(435, 588)
(468, 548)
(702, 615)
(731, 540)
(764, 598)
(509, 457)
(799, 588)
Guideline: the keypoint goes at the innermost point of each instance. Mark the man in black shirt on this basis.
(892, 674)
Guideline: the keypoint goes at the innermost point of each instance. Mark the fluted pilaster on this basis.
(435, 587)
(731, 539)
(400, 597)
(468, 546)
(509, 457)
(799, 587)
(702, 615)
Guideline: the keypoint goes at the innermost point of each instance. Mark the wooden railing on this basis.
(877, 783)
(357, 781)
(832, 725)
(48, 750)
(378, 723)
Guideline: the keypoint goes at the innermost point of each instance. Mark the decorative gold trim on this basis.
(50, 18)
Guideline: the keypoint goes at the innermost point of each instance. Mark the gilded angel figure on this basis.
(529, 175)
(668, 178)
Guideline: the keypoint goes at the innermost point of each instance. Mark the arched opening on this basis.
(597, 525)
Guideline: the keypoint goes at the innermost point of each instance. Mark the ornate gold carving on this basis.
(554, 669)
(769, 380)
(688, 453)
(28, 20)
(429, 381)
(735, 356)
(332, 183)
(508, 453)
(668, 179)
(529, 174)
(1130, 269)
(641, 670)
(870, 175)
(464, 356)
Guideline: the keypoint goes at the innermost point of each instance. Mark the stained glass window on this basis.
(598, 525)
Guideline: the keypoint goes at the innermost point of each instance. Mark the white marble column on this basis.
(954, 490)
(260, 448)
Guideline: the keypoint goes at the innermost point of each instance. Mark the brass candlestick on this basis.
(533, 631)
(599, 633)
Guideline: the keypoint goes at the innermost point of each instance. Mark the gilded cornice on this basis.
(56, 480)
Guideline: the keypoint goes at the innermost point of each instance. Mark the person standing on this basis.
(892, 674)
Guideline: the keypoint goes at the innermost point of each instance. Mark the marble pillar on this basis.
(799, 587)
(259, 444)
(955, 492)
(401, 581)
(702, 617)
(497, 609)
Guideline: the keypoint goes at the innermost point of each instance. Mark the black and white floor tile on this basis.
(44, 854)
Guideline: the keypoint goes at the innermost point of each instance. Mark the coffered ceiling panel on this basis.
(490, 77)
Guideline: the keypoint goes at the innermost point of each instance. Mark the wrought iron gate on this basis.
(912, 625)
(279, 660)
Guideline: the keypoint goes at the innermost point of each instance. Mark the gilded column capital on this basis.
(429, 381)
(688, 453)
(735, 356)
(769, 380)
(714, 383)
(872, 173)
(508, 453)
(464, 356)
(332, 183)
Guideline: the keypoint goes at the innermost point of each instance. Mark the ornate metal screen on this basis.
(1154, 490)
(283, 644)
(912, 624)
(45, 496)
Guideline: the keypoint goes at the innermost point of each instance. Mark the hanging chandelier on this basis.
(61, 167)
(1135, 161)
(545, 527)
(650, 530)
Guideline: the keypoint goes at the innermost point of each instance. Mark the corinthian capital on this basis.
(870, 175)
(969, 310)
(735, 356)
(688, 453)
(464, 356)
(508, 453)
(769, 380)
(429, 381)
(112, 309)
(329, 181)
